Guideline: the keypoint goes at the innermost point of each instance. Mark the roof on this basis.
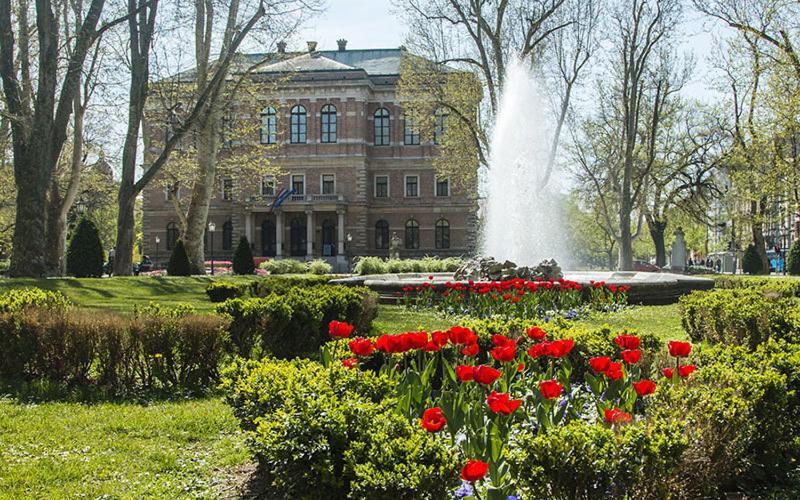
(371, 61)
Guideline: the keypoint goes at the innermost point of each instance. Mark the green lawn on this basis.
(662, 321)
(166, 449)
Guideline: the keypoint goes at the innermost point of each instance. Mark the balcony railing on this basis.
(299, 198)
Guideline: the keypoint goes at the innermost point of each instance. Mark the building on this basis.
(358, 171)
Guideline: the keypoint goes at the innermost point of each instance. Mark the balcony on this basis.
(297, 199)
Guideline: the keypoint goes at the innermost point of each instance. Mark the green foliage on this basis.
(334, 430)
(793, 260)
(243, 258)
(739, 316)
(220, 291)
(752, 263)
(319, 266)
(582, 460)
(85, 252)
(281, 284)
(376, 265)
(785, 287)
(179, 264)
(295, 322)
(154, 349)
(18, 299)
(283, 266)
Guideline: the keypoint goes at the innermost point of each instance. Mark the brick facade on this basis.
(341, 224)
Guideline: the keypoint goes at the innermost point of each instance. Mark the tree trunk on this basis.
(657, 229)
(626, 239)
(123, 250)
(758, 233)
(32, 177)
(56, 231)
(197, 215)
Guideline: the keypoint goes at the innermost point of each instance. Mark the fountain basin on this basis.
(645, 288)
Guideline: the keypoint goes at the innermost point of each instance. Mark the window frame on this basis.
(172, 227)
(413, 225)
(375, 186)
(227, 235)
(271, 126)
(410, 138)
(439, 234)
(384, 241)
(298, 129)
(439, 126)
(405, 186)
(274, 185)
(385, 128)
(291, 183)
(436, 187)
(332, 132)
(322, 183)
(226, 195)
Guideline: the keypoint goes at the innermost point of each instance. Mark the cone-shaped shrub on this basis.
(85, 252)
(179, 264)
(752, 263)
(243, 258)
(793, 261)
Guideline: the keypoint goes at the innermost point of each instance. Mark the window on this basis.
(299, 184)
(268, 185)
(381, 127)
(442, 187)
(412, 186)
(298, 122)
(328, 126)
(412, 234)
(439, 126)
(227, 235)
(381, 186)
(269, 126)
(226, 131)
(442, 234)
(410, 132)
(171, 191)
(328, 184)
(381, 235)
(227, 189)
(172, 235)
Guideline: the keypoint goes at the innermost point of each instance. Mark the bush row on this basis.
(294, 322)
(786, 287)
(152, 349)
(220, 291)
(740, 316)
(291, 266)
(376, 265)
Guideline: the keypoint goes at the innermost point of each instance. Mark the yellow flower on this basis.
(159, 355)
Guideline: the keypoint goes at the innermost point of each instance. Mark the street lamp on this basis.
(158, 240)
(211, 228)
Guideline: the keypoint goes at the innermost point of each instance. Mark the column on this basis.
(278, 233)
(248, 227)
(340, 230)
(309, 233)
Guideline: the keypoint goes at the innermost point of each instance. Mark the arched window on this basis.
(410, 131)
(172, 235)
(269, 126)
(381, 127)
(328, 123)
(440, 126)
(298, 124)
(227, 235)
(381, 235)
(442, 234)
(412, 234)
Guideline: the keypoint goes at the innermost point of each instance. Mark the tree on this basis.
(41, 113)
(179, 264)
(793, 261)
(85, 253)
(243, 258)
(752, 262)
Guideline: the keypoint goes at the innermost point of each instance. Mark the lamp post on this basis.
(158, 240)
(211, 228)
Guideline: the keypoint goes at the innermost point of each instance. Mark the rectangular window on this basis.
(227, 189)
(227, 131)
(410, 132)
(412, 186)
(328, 184)
(442, 187)
(268, 185)
(299, 184)
(381, 186)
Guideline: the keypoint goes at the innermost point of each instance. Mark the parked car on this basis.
(646, 267)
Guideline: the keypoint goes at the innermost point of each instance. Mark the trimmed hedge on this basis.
(751, 262)
(334, 433)
(283, 266)
(739, 316)
(220, 291)
(376, 265)
(179, 264)
(786, 287)
(85, 251)
(282, 284)
(793, 260)
(153, 349)
(294, 323)
(243, 258)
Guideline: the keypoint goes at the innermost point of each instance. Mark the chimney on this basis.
(342, 44)
(281, 47)
(312, 46)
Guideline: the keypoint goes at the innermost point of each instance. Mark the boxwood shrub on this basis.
(220, 291)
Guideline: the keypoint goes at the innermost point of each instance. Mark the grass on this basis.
(662, 321)
(396, 319)
(166, 449)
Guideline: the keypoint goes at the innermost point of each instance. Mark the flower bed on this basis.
(516, 298)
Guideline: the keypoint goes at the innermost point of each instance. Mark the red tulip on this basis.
(559, 348)
(361, 346)
(686, 370)
(350, 362)
(600, 364)
(485, 374)
(470, 350)
(644, 387)
(501, 340)
(536, 333)
(433, 419)
(626, 341)
(679, 349)
(617, 416)
(339, 329)
(614, 371)
(668, 372)
(505, 353)
(474, 470)
(500, 402)
(440, 337)
(461, 335)
(550, 389)
(536, 350)
(465, 373)
(631, 356)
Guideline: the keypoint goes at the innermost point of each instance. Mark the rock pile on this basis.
(489, 269)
